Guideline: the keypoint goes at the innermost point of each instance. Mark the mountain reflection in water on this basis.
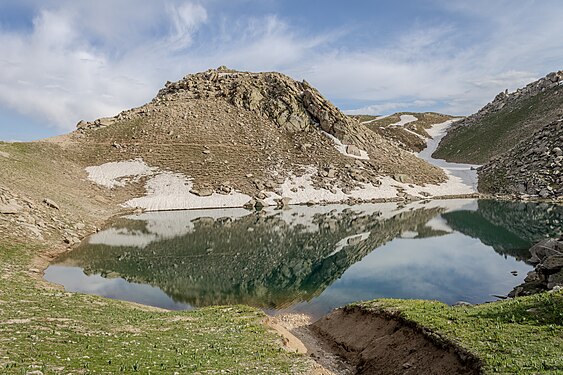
(310, 259)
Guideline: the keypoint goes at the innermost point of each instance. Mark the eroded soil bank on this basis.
(383, 343)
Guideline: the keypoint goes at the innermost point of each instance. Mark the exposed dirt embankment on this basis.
(383, 343)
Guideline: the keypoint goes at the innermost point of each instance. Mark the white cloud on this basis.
(80, 61)
(186, 19)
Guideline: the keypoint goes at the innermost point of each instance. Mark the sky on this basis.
(62, 61)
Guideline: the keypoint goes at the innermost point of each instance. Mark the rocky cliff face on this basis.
(509, 119)
(532, 168)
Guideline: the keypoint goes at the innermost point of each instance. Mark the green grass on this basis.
(57, 332)
(498, 132)
(520, 336)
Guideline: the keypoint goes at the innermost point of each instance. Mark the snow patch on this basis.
(404, 119)
(171, 191)
(165, 190)
(119, 173)
(375, 119)
(300, 190)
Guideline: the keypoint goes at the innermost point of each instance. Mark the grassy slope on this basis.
(521, 336)
(500, 131)
(56, 332)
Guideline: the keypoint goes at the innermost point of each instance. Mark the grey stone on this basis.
(10, 209)
(353, 150)
(555, 280)
(552, 263)
(51, 204)
(544, 249)
(532, 276)
(403, 178)
(259, 204)
(79, 226)
(250, 204)
(283, 202)
(202, 192)
(105, 121)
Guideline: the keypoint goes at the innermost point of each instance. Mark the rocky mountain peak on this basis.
(292, 105)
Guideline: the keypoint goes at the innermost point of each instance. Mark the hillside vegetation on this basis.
(503, 123)
(46, 331)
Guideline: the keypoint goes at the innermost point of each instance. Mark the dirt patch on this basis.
(297, 328)
(378, 343)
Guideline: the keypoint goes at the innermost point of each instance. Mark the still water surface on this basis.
(311, 259)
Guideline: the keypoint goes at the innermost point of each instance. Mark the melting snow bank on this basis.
(300, 190)
(119, 173)
(404, 119)
(165, 190)
(172, 191)
(462, 173)
(343, 149)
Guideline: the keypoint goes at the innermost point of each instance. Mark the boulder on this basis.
(283, 202)
(10, 209)
(353, 150)
(548, 272)
(260, 204)
(555, 280)
(202, 192)
(544, 249)
(51, 204)
(553, 263)
(402, 178)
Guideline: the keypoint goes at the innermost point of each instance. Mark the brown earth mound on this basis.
(377, 343)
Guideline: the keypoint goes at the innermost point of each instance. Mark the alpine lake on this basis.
(311, 259)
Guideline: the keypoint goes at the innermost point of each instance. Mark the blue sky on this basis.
(66, 60)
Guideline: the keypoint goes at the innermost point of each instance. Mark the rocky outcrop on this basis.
(547, 255)
(292, 105)
(533, 168)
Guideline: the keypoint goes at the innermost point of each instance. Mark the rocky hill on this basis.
(509, 119)
(263, 136)
(532, 168)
